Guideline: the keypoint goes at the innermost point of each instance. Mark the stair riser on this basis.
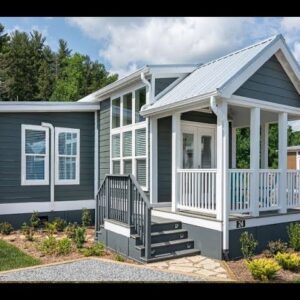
(165, 226)
(169, 248)
(169, 237)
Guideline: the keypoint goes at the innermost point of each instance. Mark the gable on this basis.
(270, 83)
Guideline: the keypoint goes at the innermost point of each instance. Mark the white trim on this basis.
(265, 105)
(22, 107)
(264, 145)
(233, 147)
(59, 181)
(96, 155)
(29, 207)
(261, 221)
(119, 229)
(25, 181)
(196, 221)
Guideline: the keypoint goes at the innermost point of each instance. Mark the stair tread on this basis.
(156, 233)
(174, 242)
(175, 254)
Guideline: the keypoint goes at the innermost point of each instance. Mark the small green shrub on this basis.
(248, 244)
(60, 224)
(35, 220)
(96, 250)
(48, 245)
(86, 217)
(119, 258)
(277, 246)
(27, 231)
(80, 234)
(263, 269)
(70, 230)
(289, 261)
(294, 236)
(50, 228)
(64, 246)
(6, 228)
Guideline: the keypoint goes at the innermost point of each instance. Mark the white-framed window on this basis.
(35, 155)
(129, 136)
(67, 156)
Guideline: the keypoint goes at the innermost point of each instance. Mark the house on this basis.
(160, 149)
(293, 157)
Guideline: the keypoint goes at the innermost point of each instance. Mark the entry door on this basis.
(198, 147)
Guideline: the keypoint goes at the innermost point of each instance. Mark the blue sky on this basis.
(125, 43)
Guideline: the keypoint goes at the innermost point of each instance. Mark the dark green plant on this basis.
(60, 224)
(95, 250)
(248, 244)
(6, 228)
(35, 220)
(277, 246)
(70, 230)
(294, 236)
(80, 235)
(64, 246)
(86, 217)
(27, 231)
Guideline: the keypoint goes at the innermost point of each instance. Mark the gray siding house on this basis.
(154, 154)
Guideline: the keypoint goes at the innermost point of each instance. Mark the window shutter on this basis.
(127, 143)
(140, 142)
(141, 171)
(116, 145)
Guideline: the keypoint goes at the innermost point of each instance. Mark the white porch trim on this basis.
(153, 160)
(264, 145)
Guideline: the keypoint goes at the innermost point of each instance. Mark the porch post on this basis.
(264, 145)
(233, 147)
(153, 160)
(282, 159)
(254, 160)
(176, 150)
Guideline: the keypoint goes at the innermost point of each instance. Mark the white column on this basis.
(254, 159)
(233, 147)
(153, 160)
(176, 150)
(282, 158)
(264, 145)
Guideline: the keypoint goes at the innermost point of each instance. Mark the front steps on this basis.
(168, 240)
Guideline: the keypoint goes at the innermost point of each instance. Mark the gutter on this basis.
(52, 163)
(224, 167)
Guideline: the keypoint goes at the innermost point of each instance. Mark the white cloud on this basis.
(130, 42)
(295, 125)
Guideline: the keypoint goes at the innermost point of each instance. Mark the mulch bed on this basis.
(17, 239)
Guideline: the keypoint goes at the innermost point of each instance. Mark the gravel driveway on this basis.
(92, 270)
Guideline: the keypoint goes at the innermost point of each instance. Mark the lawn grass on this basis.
(12, 258)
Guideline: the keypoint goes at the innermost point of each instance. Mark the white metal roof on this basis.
(293, 148)
(212, 76)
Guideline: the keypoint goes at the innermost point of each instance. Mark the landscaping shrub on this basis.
(50, 228)
(95, 250)
(248, 244)
(119, 257)
(70, 230)
(35, 220)
(294, 236)
(289, 261)
(277, 246)
(80, 234)
(263, 269)
(27, 231)
(48, 245)
(6, 228)
(63, 246)
(60, 224)
(86, 217)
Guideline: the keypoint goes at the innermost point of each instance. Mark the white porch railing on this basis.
(293, 188)
(197, 190)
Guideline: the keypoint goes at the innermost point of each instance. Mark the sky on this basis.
(124, 44)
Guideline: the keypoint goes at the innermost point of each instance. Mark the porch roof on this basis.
(222, 76)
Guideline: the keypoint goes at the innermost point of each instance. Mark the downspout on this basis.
(52, 163)
(148, 84)
(224, 204)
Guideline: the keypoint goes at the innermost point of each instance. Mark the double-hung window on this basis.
(129, 136)
(67, 150)
(35, 155)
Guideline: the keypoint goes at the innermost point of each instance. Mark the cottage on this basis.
(158, 153)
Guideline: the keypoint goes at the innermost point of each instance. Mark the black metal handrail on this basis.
(121, 198)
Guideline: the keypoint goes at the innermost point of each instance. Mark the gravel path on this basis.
(93, 270)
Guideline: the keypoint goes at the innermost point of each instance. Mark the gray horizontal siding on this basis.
(10, 157)
(104, 139)
(271, 83)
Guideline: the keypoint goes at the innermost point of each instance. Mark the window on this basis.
(129, 136)
(67, 150)
(116, 112)
(35, 155)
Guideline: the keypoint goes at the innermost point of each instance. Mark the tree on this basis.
(61, 57)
